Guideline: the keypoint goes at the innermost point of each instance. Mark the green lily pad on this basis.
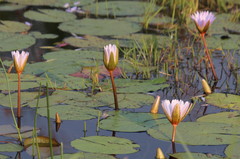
(27, 81)
(105, 145)
(232, 151)
(56, 3)
(68, 112)
(4, 156)
(184, 155)
(49, 15)
(223, 117)
(84, 155)
(11, 7)
(216, 42)
(118, 8)
(131, 122)
(25, 97)
(101, 27)
(39, 35)
(222, 100)
(13, 27)
(20, 41)
(198, 133)
(9, 147)
(140, 86)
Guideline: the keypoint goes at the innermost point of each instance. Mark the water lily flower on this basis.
(175, 112)
(110, 57)
(20, 60)
(203, 19)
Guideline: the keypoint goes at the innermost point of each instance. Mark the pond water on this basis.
(186, 86)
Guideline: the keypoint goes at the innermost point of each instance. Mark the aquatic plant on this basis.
(203, 20)
(20, 61)
(176, 110)
(110, 59)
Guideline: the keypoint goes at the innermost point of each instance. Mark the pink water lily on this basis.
(203, 19)
(20, 60)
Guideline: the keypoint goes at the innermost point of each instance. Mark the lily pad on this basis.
(198, 133)
(20, 41)
(4, 156)
(118, 8)
(49, 15)
(184, 155)
(27, 81)
(41, 140)
(68, 112)
(11, 7)
(101, 27)
(13, 27)
(132, 122)
(9, 147)
(25, 97)
(39, 35)
(232, 151)
(223, 117)
(228, 101)
(105, 145)
(84, 155)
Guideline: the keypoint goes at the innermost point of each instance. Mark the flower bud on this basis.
(110, 57)
(155, 105)
(206, 87)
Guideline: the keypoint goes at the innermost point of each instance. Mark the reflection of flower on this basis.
(203, 20)
(110, 57)
(175, 110)
(20, 60)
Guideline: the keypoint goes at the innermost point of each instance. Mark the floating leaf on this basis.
(11, 7)
(223, 117)
(13, 27)
(25, 97)
(41, 140)
(131, 122)
(39, 35)
(49, 15)
(11, 41)
(232, 151)
(4, 156)
(184, 155)
(228, 101)
(119, 8)
(9, 147)
(84, 155)
(68, 112)
(101, 27)
(105, 145)
(27, 81)
(198, 133)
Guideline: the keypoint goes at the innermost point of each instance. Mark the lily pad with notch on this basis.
(13, 26)
(105, 145)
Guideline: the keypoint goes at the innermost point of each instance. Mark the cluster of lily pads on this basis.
(68, 73)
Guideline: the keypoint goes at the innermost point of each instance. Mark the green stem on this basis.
(114, 90)
(49, 123)
(208, 56)
(174, 132)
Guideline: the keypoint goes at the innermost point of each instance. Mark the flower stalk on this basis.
(114, 90)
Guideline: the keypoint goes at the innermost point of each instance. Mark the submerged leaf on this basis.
(9, 147)
(41, 140)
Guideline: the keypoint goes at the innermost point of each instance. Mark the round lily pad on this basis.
(84, 155)
(228, 101)
(11, 7)
(119, 8)
(49, 15)
(13, 27)
(184, 155)
(132, 122)
(68, 112)
(9, 147)
(198, 133)
(232, 151)
(27, 81)
(223, 117)
(101, 27)
(20, 41)
(105, 145)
